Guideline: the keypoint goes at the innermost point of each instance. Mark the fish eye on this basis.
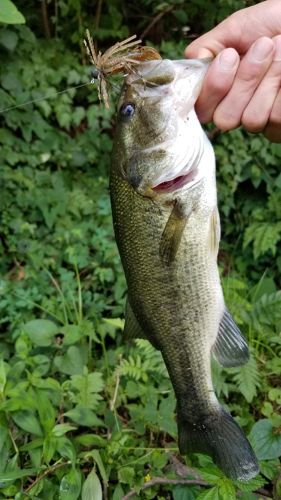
(127, 110)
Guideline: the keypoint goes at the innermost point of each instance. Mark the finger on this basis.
(226, 34)
(258, 111)
(217, 83)
(250, 72)
(240, 30)
(273, 129)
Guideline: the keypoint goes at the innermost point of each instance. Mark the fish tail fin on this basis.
(220, 436)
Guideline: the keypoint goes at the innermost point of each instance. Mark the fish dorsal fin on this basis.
(172, 235)
(230, 348)
(132, 328)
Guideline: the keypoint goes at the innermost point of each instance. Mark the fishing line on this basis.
(4, 110)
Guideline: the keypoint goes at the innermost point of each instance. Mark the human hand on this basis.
(242, 85)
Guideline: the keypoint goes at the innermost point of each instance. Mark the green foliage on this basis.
(80, 412)
(10, 14)
(247, 379)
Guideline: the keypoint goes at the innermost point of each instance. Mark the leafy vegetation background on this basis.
(81, 414)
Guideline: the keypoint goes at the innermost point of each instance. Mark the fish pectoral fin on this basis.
(172, 235)
(214, 232)
(230, 347)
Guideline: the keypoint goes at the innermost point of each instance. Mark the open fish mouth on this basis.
(176, 183)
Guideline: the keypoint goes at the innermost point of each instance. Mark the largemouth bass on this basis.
(166, 222)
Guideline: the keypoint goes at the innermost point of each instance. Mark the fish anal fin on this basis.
(230, 347)
(172, 235)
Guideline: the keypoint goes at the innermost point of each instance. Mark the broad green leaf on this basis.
(66, 449)
(159, 459)
(27, 421)
(35, 443)
(84, 416)
(46, 411)
(61, 429)
(64, 118)
(42, 366)
(250, 485)
(183, 493)
(70, 485)
(5, 444)
(118, 493)
(9, 13)
(275, 395)
(72, 362)
(227, 489)
(91, 489)
(8, 38)
(211, 474)
(3, 377)
(97, 458)
(48, 383)
(266, 440)
(116, 322)
(4, 431)
(91, 440)
(11, 491)
(41, 331)
(211, 494)
(87, 385)
(269, 468)
(49, 448)
(72, 334)
(167, 407)
(49, 491)
(126, 475)
(16, 474)
(91, 382)
(36, 458)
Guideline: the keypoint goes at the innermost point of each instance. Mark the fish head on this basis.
(159, 140)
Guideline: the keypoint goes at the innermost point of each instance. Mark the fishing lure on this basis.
(122, 57)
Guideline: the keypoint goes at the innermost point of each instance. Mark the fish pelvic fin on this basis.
(230, 347)
(172, 235)
(219, 436)
(132, 328)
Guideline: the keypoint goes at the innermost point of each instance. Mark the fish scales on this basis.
(164, 207)
(180, 303)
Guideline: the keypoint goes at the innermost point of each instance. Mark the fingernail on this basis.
(228, 59)
(261, 49)
(277, 43)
